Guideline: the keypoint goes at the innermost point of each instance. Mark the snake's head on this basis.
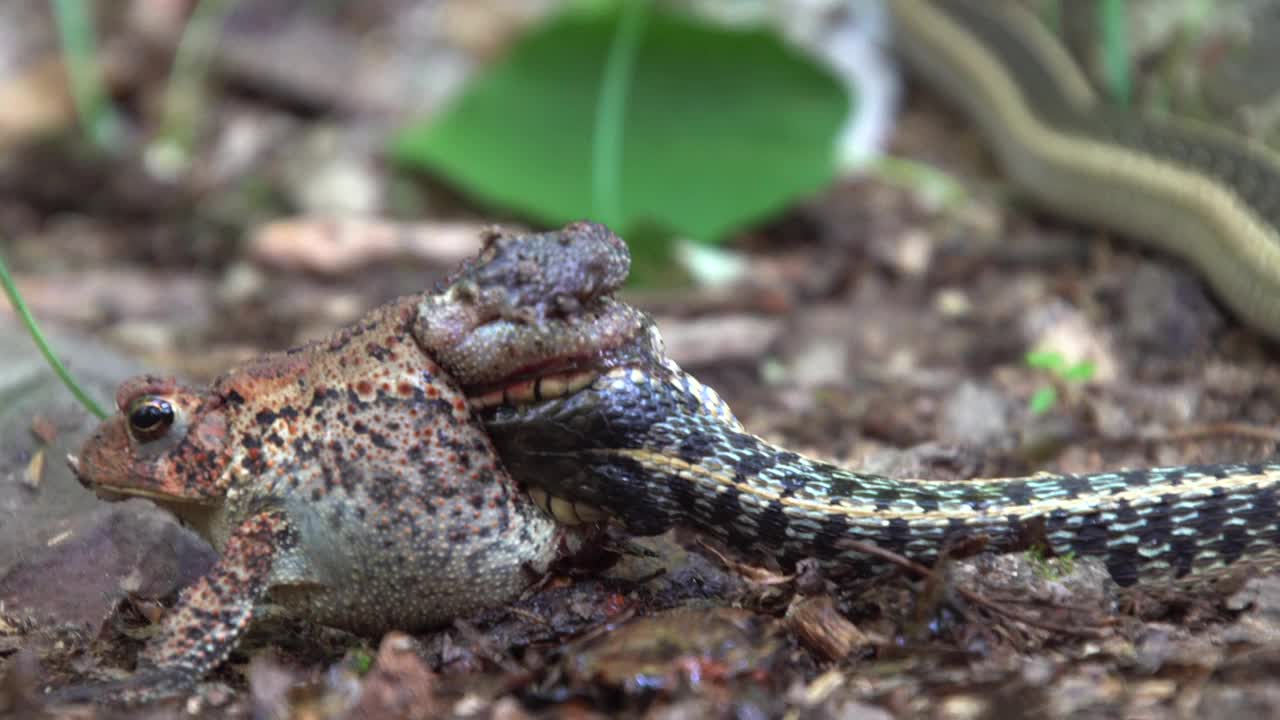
(582, 442)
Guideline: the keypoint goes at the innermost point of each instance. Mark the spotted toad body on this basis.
(347, 478)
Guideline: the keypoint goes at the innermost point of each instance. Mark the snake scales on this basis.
(653, 447)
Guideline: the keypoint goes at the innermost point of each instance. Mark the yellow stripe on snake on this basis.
(651, 446)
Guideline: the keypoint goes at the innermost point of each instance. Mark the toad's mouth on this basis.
(110, 492)
(117, 493)
(618, 336)
(548, 382)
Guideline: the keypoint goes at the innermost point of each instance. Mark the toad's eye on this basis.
(150, 417)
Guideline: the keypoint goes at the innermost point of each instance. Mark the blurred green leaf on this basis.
(1043, 400)
(1080, 372)
(185, 99)
(721, 127)
(79, 47)
(1045, 360)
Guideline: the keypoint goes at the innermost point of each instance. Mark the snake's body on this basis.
(655, 449)
(651, 446)
(1204, 195)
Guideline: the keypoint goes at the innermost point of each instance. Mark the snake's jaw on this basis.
(547, 445)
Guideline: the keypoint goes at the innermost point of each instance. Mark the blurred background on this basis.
(187, 183)
(195, 180)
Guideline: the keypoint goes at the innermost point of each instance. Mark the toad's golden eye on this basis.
(150, 417)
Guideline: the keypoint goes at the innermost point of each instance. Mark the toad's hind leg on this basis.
(203, 628)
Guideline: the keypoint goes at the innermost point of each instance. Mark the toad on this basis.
(347, 479)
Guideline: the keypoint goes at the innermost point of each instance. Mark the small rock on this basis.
(1163, 645)
(854, 710)
(717, 339)
(44, 429)
(822, 361)
(952, 303)
(508, 708)
(1256, 700)
(129, 548)
(335, 246)
(910, 253)
(963, 707)
(973, 415)
(1059, 328)
(1260, 623)
(143, 336)
(1112, 419)
(329, 173)
(240, 283)
(400, 685)
(1168, 312)
(1079, 583)
(678, 648)
(1085, 692)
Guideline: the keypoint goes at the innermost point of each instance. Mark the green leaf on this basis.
(1045, 360)
(721, 127)
(1043, 400)
(1080, 372)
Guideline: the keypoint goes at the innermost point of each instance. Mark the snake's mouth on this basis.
(526, 396)
(525, 392)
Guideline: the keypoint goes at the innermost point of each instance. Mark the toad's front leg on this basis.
(203, 628)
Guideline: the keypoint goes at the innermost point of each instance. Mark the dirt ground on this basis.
(869, 328)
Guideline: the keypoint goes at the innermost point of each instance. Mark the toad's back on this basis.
(403, 517)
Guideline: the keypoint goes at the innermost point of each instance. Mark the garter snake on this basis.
(653, 447)
(1204, 195)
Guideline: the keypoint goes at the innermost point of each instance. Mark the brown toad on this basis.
(347, 479)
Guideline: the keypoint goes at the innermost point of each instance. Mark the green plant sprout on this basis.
(21, 310)
(1050, 568)
(361, 661)
(1061, 374)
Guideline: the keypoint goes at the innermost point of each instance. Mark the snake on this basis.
(649, 445)
(1202, 194)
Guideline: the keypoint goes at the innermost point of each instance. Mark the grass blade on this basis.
(29, 321)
